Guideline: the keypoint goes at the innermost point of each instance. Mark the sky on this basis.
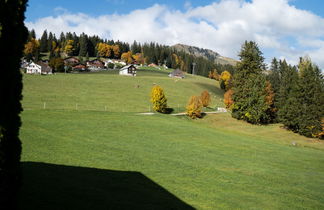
(285, 29)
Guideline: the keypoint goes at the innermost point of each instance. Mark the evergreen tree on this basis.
(49, 42)
(62, 38)
(136, 47)
(76, 44)
(274, 78)
(249, 86)
(83, 45)
(311, 100)
(288, 112)
(31, 35)
(44, 42)
(13, 36)
(37, 55)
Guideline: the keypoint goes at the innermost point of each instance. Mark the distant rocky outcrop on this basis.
(206, 53)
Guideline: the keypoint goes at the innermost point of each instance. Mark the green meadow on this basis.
(111, 92)
(87, 156)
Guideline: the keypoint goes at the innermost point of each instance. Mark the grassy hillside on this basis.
(95, 91)
(83, 159)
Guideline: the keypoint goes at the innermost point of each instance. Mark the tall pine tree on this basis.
(250, 87)
(288, 102)
(311, 100)
(83, 45)
(43, 42)
(49, 41)
(274, 78)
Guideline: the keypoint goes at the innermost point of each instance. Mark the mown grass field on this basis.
(85, 159)
(112, 92)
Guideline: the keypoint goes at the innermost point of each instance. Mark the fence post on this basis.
(44, 105)
(105, 108)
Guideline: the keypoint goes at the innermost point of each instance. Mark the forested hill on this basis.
(189, 59)
(206, 53)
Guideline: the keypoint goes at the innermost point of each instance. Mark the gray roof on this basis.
(126, 67)
(177, 73)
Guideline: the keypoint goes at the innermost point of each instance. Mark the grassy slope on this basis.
(216, 162)
(118, 93)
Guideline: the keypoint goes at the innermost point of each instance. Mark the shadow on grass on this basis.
(169, 110)
(212, 88)
(49, 186)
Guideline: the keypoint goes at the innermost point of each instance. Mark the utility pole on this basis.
(193, 68)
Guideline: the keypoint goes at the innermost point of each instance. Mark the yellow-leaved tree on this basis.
(205, 98)
(158, 99)
(31, 47)
(105, 50)
(68, 49)
(139, 58)
(127, 57)
(194, 107)
(116, 50)
(225, 80)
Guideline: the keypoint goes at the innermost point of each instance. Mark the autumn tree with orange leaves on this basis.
(31, 49)
(194, 107)
(205, 98)
(127, 57)
(228, 100)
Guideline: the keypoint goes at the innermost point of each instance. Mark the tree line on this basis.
(291, 95)
(84, 46)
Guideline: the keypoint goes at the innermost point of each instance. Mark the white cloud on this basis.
(280, 29)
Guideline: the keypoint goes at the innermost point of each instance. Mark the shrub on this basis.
(214, 75)
(158, 99)
(205, 98)
(194, 107)
(111, 65)
(228, 101)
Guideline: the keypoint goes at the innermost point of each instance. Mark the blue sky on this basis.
(283, 28)
(42, 8)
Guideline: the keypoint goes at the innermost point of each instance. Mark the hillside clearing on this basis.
(92, 158)
(112, 92)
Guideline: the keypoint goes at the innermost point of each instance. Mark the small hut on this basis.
(177, 73)
(129, 70)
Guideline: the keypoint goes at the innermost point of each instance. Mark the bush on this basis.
(57, 64)
(228, 101)
(158, 99)
(111, 65)
(205, 98)
(194, 107)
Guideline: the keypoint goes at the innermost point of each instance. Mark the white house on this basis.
(129, 70)
(33, 68)
(40, 68)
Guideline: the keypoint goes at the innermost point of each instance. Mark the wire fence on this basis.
(125, 107)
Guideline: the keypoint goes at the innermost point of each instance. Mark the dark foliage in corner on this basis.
(13, 36)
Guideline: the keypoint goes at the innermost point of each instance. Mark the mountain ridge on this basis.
(206, 53)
